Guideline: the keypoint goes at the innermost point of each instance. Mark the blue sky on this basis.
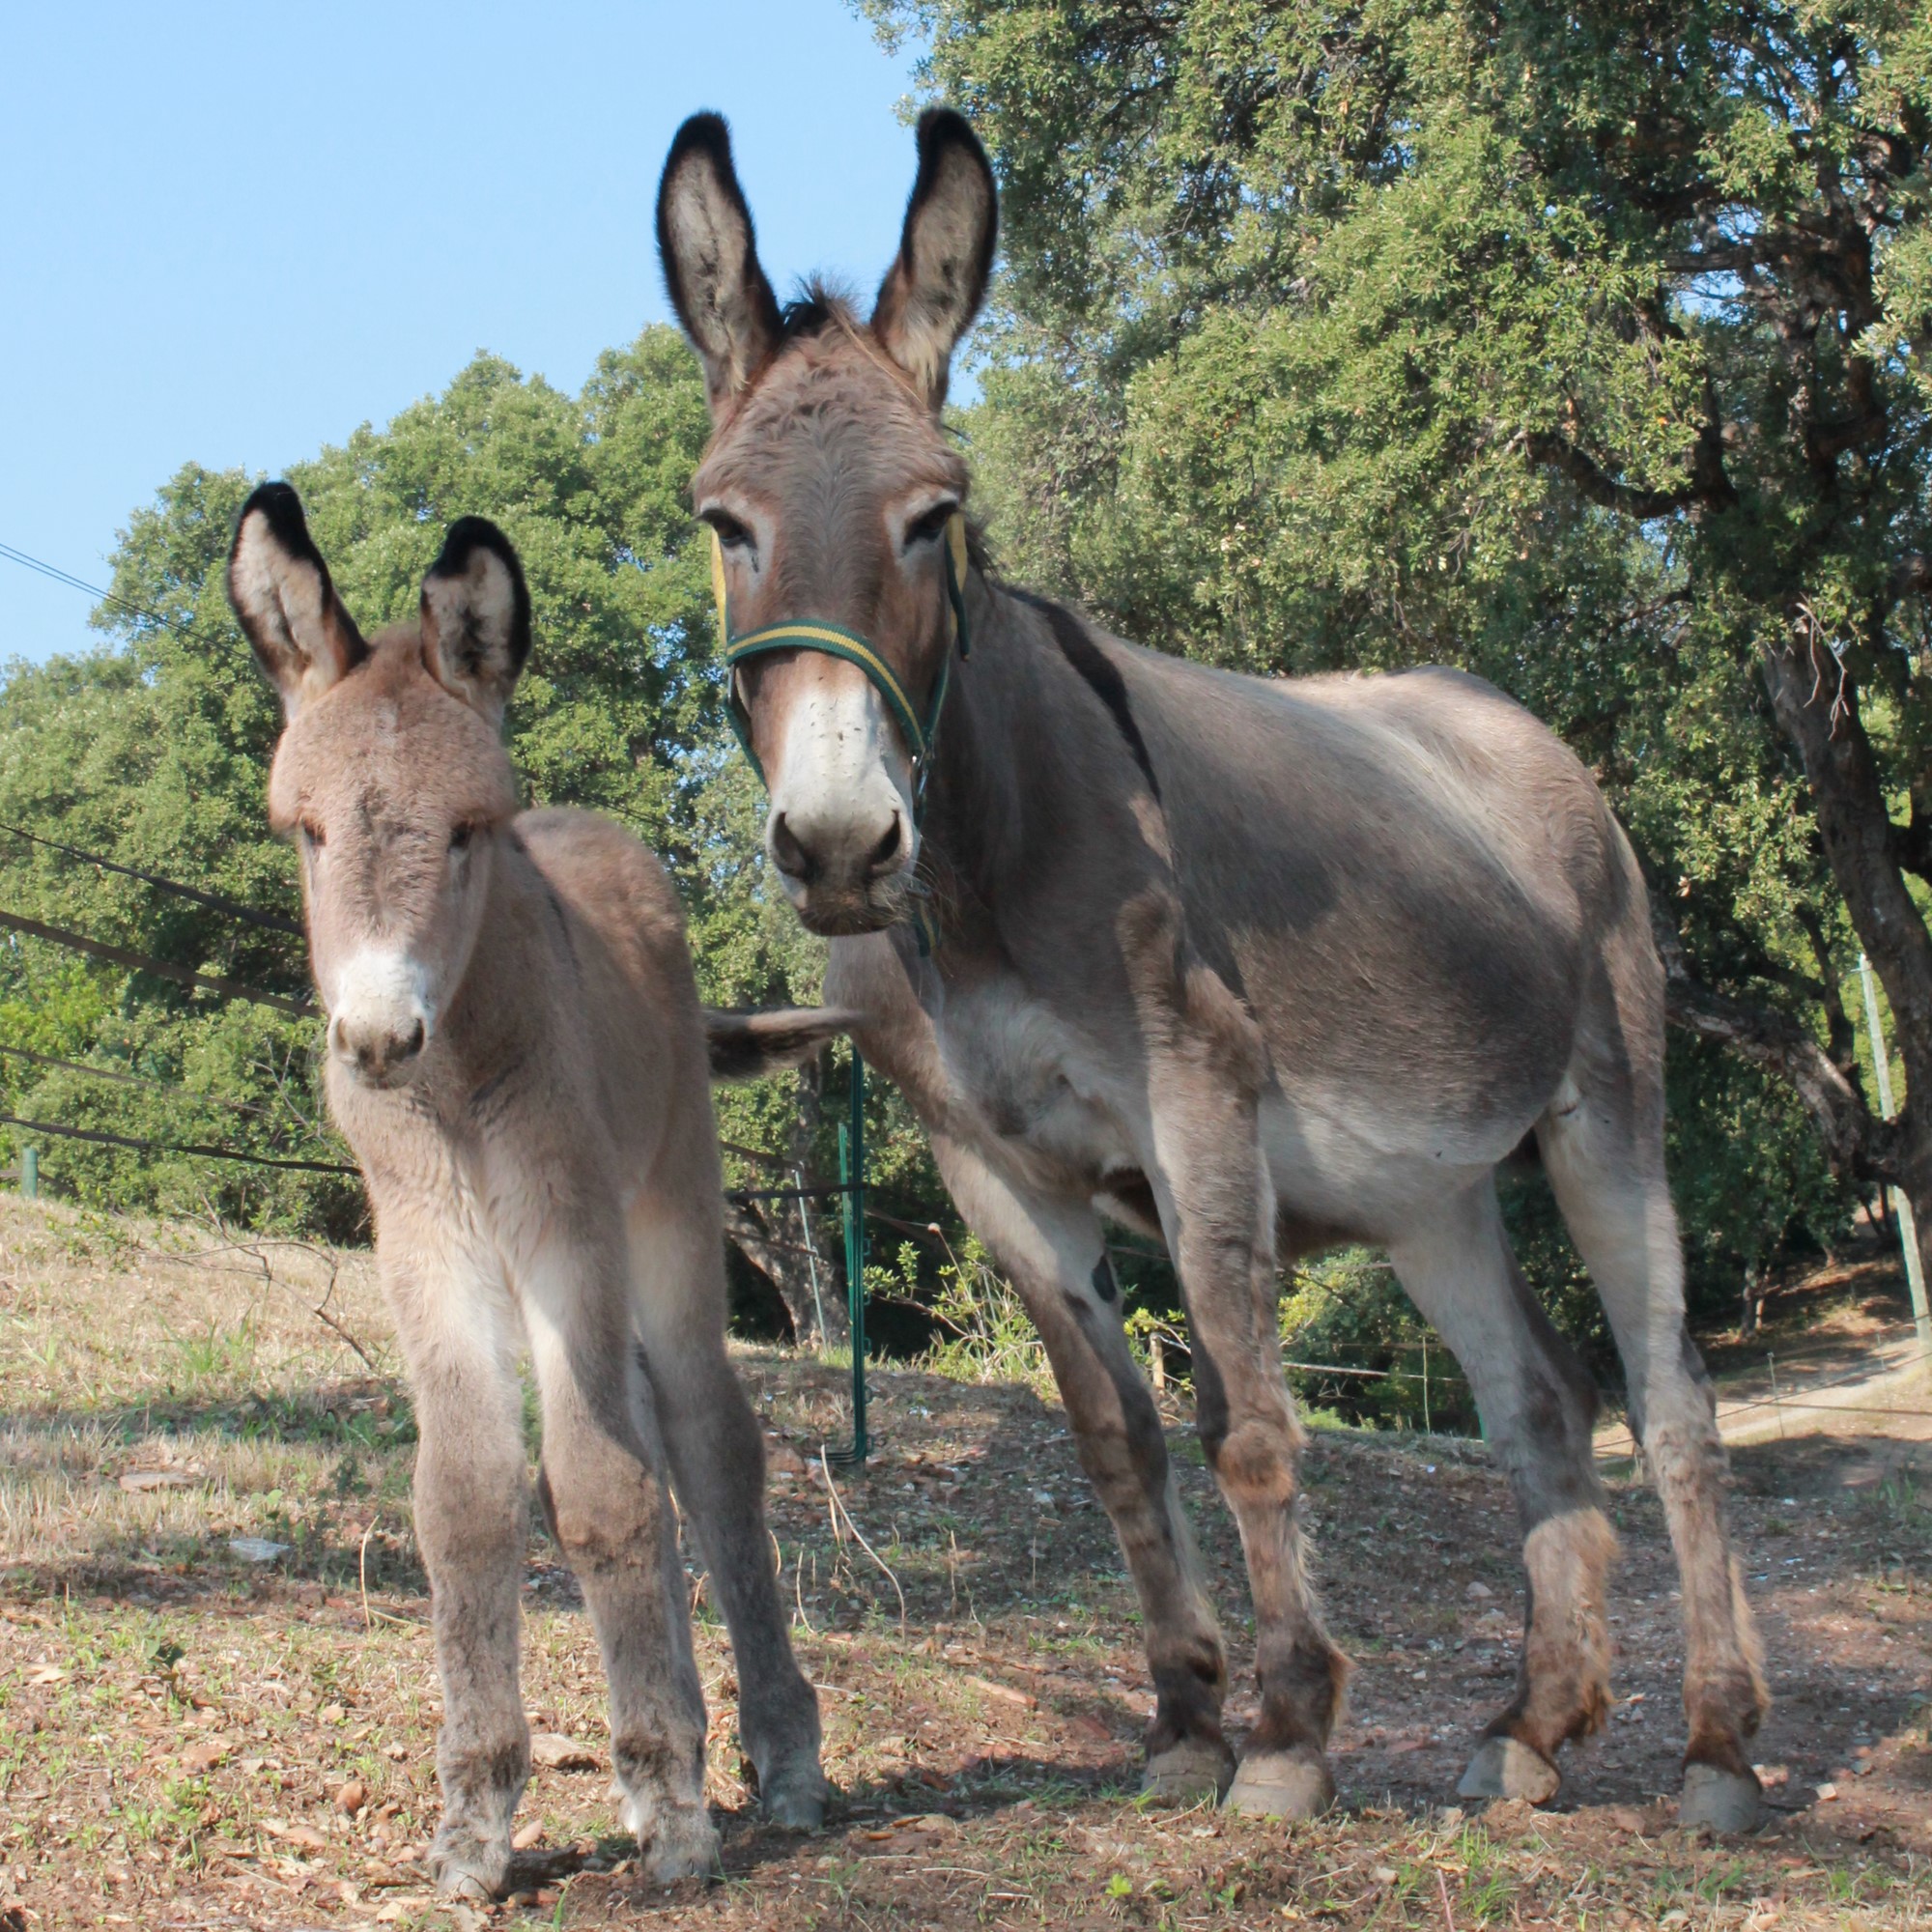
(232, 234)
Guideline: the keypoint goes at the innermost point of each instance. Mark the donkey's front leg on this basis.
(458, 1338)
(1217, 1209)
(1051, 1248)
(609, 1507)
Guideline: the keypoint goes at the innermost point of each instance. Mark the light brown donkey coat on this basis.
(516, 1054)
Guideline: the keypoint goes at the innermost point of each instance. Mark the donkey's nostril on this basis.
(414, 1043)
(792, 856)
(886, 852)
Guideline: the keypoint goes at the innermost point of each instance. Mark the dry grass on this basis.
(191, 1738)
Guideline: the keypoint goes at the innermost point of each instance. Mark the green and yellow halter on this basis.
(833, 641)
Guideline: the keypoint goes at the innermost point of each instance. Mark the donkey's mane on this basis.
(815, 308)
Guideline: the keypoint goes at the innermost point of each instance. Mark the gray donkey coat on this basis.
(1253, 966)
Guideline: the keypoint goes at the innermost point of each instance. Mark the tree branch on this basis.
(1709, 483)
(1558, 452)
(1857, 1146)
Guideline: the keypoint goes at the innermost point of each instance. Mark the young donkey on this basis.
(1251, 965)
(516, 1054)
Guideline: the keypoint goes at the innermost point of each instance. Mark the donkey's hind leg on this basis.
(460, 1337)
(1052, 1250)
(1537, 1407)
(610, 1512)
(717, 1455)
(1603, 1149)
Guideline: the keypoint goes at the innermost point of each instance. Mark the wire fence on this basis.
(1448, 1378)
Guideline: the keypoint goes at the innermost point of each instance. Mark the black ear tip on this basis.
(267, 497)
(707, 133)
(943, 127)
(467, 536)
(279, 504)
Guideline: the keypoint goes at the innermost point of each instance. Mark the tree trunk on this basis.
(1816, 703)
(777, 1253)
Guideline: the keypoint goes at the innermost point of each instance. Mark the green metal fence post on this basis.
(852, 1179)
(30, 1174)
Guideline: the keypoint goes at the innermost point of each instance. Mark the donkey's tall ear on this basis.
(279, 586)
(934, 291)
(476, 616)
(710, 260)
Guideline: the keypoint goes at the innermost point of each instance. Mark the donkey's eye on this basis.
(312, 835)
(731, 533)
(459, 839)
(931, 525)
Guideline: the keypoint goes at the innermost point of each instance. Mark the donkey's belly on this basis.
(1038, 1097)
(1367, 1178)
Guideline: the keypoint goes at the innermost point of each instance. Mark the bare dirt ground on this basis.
(201, 1730)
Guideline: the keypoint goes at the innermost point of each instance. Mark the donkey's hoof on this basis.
(467, 1866)
(1726, 1801)
(794, 1800)
(1509, 1767)
(1283, 1784)
(683, 1844)
(1192, 1772)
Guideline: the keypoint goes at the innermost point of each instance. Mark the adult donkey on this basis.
(1253, 966)
(516, 1052)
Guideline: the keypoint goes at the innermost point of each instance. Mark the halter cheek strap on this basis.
(833, 641)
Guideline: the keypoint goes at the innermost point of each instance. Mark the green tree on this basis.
(153, 751)
(1586, 349)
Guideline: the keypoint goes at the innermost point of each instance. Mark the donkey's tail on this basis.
(746, 1044)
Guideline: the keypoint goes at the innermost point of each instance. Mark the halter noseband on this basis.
(833, 641)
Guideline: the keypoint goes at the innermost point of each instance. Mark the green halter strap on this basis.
(833, 641)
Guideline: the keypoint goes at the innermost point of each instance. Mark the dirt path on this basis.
(192, 1738)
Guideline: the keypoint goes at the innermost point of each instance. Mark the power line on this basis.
(273, 922)
(144, 962)
(138, 1080)
(72, 583)
(100, 1139)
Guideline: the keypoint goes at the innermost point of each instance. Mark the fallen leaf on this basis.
(557, 1752)
(155, 1479)
(305, 1836)
(930, 1821)
(353, 1796)
(1006, 1693)
(48, 1673)
(204, 1756)
(1478, 1589)
(527, 1835)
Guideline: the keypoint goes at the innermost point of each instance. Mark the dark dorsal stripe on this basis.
(1100, 672)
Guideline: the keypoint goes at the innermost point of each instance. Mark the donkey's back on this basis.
(1417, 884)
(621, 983)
